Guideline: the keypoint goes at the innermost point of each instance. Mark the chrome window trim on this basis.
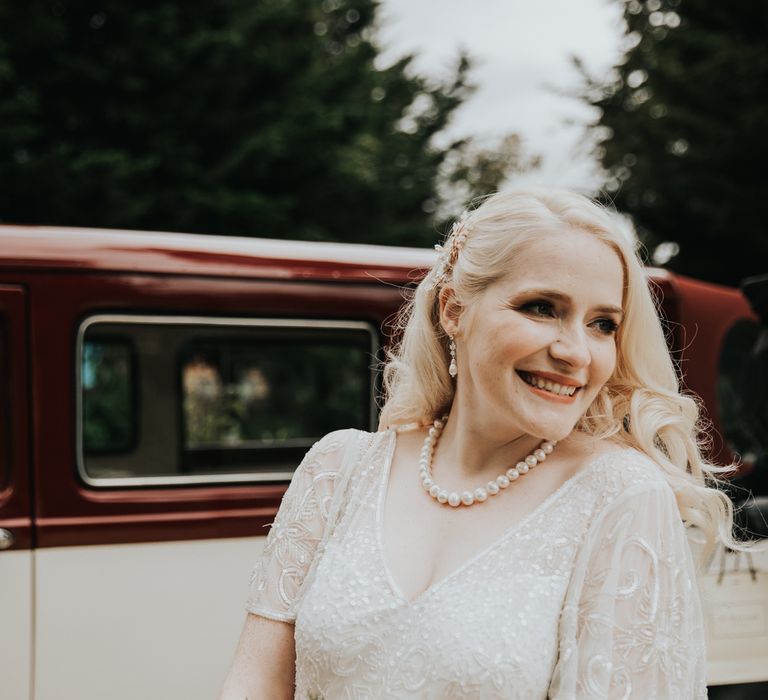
(218, 321)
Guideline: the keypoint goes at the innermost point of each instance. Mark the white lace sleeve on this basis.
(277, 577)
(631, 627)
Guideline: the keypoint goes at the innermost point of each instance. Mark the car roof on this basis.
(156, 252)
(79, 249)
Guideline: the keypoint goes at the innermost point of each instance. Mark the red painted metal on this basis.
(15, 504)
(71, 513)
(706, 312)
(39, 248)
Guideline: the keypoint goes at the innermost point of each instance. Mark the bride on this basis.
(516, 529)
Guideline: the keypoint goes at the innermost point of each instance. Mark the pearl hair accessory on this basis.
(479, 495)
(449, 253)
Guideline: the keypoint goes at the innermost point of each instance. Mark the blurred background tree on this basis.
(682, 133)
(473, 169)
(261, 118)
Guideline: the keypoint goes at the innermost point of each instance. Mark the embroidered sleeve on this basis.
(277, 576)
(631, 627)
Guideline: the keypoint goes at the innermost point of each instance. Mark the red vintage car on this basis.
(157, 392)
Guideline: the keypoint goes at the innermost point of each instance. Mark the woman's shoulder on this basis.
(621, 471)
(337, 439)
(633, 465)
(335, 449)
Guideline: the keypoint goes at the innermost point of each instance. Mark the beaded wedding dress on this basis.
(592, 595)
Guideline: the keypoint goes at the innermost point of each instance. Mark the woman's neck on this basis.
(469, 448)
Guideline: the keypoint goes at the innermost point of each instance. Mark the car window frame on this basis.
(283, 322)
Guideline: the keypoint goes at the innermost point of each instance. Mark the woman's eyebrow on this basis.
(610, 310)
(564, 298)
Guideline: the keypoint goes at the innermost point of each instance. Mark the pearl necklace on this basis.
(479, 495)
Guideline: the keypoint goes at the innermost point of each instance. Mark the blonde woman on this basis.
(517, 527)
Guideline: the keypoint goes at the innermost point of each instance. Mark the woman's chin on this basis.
(559, 435)
(557, 430)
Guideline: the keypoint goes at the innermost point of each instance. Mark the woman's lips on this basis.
(549, 389)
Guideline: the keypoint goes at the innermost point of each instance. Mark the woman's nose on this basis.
(570, 346)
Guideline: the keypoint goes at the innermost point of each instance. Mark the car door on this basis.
(16, 554)
(172, 412)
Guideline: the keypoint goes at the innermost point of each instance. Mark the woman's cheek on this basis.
(608, 363)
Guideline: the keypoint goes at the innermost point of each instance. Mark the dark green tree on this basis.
(681, 133)
(264, 118)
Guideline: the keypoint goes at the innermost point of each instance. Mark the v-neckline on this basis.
(395, 587)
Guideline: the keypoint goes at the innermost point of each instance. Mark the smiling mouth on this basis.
(548, 385)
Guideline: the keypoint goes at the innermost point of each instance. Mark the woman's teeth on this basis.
(547, 385)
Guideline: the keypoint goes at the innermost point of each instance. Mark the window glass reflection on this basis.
(166, 398)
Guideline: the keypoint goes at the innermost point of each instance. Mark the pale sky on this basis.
(522, 53)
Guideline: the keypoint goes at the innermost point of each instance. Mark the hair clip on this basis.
(448, 254)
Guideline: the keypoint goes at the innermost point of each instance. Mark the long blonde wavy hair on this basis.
(642, 405)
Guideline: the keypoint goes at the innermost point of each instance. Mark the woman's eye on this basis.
(606, 325)
(538, 308)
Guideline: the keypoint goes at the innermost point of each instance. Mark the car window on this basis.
(174, 400)
(743, 398)
(109, 395)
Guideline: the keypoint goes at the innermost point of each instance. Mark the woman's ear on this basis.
(450, 310)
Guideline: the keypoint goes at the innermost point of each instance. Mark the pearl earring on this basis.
(453, 368)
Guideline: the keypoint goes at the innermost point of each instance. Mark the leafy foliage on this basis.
(108, 399)
(261, 118)
(682, 132)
